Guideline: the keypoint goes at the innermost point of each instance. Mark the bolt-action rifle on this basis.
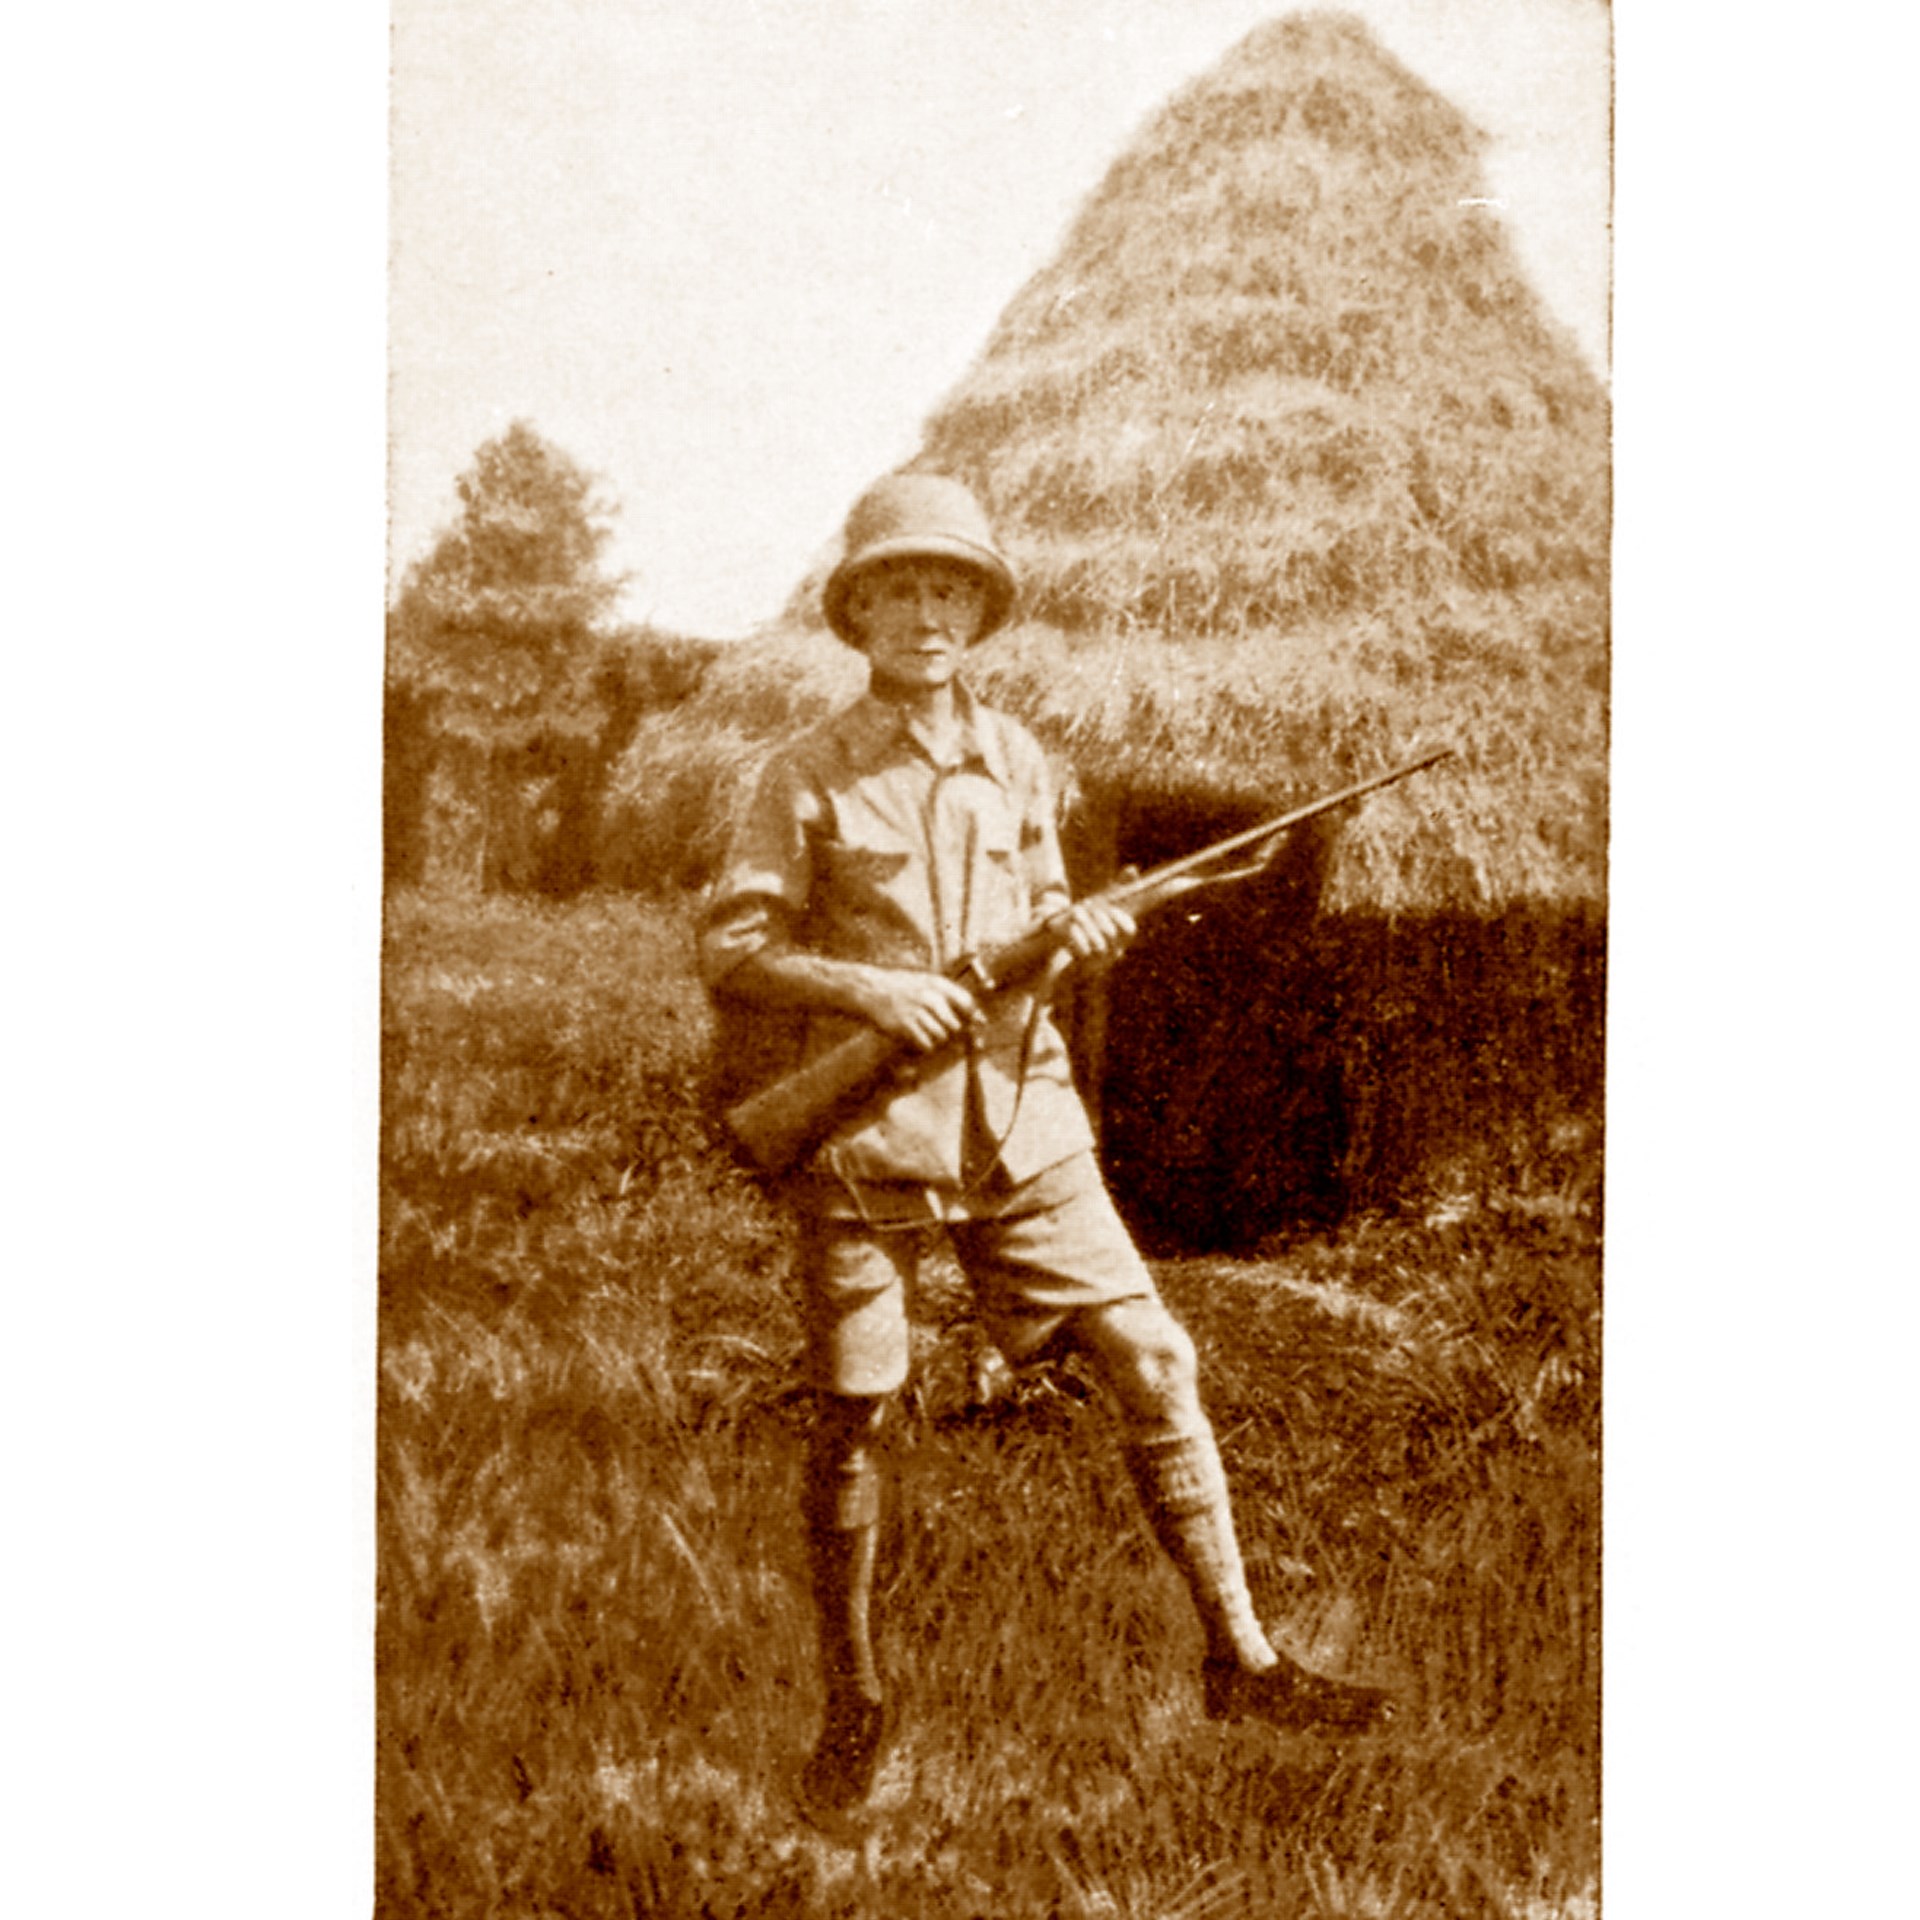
(785, 1120)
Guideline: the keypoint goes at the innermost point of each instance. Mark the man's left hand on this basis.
(1099, 930)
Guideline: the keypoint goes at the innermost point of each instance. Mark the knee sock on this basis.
(1177, 1472)
(843, 1527)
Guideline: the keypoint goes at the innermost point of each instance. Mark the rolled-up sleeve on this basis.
(767, 876)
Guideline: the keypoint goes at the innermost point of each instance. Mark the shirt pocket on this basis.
(854, 869)
(1001, 902)
(862, 903)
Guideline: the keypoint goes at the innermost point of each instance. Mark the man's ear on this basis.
(853, 621)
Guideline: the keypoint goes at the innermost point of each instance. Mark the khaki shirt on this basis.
(858, 845)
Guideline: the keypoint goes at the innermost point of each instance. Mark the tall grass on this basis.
(595, 1668)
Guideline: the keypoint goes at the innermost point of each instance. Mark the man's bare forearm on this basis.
(781, 980)
(921, 1008)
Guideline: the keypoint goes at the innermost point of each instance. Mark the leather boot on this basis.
(839, 1775)
(1289, 1696)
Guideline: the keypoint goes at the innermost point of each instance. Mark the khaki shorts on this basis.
(1034, 1255)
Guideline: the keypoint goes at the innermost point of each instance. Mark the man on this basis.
(915, 827)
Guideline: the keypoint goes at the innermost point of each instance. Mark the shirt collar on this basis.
(871, 724)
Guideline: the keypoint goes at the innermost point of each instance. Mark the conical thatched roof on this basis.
(1299, 477)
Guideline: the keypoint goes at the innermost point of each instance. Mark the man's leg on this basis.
(855, 1299)
(1148, 1361)
(843, 1510)
(1059, 1255)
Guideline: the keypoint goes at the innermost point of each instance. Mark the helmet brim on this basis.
(993, 572)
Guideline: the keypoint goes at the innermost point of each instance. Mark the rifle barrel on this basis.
(1132, 889)
(783, 1122)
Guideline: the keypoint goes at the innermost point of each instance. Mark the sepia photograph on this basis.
(958, 962)
(993, 977)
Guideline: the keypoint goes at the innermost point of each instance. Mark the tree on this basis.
(499, 695)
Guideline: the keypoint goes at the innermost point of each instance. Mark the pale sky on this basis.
(731, 258)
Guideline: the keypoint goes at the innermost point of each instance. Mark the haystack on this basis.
(1299, 477)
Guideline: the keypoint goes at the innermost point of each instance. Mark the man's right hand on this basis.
(919, 1009)
(924, 1010)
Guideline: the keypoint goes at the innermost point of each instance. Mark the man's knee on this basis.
(1148, 1358)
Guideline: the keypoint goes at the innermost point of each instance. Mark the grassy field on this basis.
(595, 1672)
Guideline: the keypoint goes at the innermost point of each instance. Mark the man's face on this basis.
(915, 618)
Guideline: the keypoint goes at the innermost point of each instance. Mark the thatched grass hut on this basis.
(1299, 477)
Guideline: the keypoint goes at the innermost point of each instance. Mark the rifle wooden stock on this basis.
(782, 1123)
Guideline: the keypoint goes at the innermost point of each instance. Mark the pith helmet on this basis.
(918, 514)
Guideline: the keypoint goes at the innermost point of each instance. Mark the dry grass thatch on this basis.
(1298, 475)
